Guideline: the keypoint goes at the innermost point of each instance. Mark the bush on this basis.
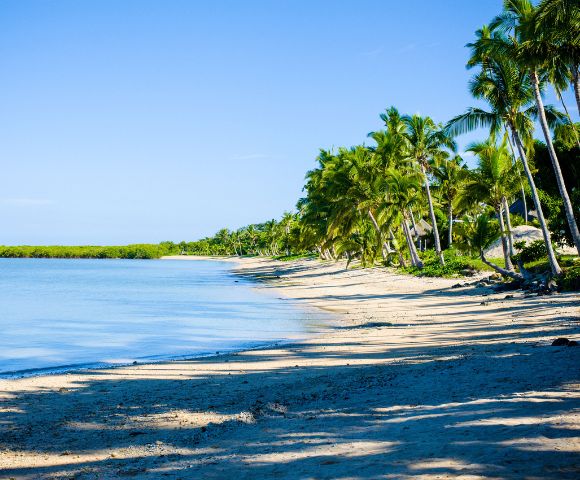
(570, 278)
(454, 264)
(531, 252)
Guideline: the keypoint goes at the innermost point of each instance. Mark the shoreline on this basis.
(417, 380)
(96, 366)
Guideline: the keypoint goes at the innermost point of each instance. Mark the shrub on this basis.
(570, 278)
(531, 252)
(454, 264)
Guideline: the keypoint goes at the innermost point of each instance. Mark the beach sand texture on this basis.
(416, 380)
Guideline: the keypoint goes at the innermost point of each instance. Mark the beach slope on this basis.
(417, 379)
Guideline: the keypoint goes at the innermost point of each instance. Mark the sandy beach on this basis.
(418, 378)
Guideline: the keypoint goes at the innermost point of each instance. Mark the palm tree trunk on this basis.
(450, 216)
(415, 228)
(556, 270)
(525, 204)
(576, 77)
(378, 230)
(522, 185)
(510, 235)
(397, 248)
(504, 244)
(559, 178)
(497, 268)
(432, 214)
(415, 260)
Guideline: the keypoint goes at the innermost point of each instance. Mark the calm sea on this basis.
(60, 314)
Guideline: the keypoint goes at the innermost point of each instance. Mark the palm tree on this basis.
(494, 180)
(533, 52)
(558, 21)
(426, 143)
(342, 191)
(284, 227)
(402, 193)
(451, 175)
(508, 91)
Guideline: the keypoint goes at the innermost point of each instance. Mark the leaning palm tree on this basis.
(533, 52)
(426, 143)
(508, 91)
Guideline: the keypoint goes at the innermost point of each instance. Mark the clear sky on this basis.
(146, 120)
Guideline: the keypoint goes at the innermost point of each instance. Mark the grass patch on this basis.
(455, 265)
(298, 256)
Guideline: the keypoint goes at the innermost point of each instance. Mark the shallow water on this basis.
(60, 314)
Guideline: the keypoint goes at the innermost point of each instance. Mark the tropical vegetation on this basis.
(406, 197)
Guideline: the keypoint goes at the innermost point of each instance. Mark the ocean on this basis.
(67, 314)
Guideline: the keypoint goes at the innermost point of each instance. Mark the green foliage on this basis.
(553, 208)
(360, 202)
(296, 256)
(531, 252)
(570, 279)
(455, 265)
(137, 251)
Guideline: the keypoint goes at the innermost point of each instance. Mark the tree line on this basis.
(407, 197)
(379, 202)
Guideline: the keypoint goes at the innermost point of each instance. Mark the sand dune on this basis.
(415, 380)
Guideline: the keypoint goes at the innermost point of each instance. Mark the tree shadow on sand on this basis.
(394, 413)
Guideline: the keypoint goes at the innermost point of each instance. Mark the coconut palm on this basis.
(534, 52)
(426, 144)
(494, 180)
(508, 91)
(558, 21)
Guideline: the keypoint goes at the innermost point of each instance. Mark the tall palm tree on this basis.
(426, 143)
(533, 52)
(508, 91)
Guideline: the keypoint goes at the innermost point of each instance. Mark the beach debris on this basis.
(564, 342)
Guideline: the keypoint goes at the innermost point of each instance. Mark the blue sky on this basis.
(146, 120)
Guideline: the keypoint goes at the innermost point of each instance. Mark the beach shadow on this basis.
(500, 404)
(285, 423)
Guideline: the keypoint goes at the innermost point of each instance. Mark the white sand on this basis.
(419, 380)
